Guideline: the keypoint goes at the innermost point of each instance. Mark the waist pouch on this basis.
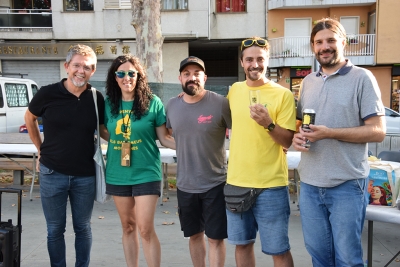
(239, 199)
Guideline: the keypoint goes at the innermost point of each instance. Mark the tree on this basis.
(146, 19)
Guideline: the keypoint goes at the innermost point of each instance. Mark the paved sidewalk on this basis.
(107, 245)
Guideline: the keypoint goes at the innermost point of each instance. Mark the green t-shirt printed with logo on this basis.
(145, 163)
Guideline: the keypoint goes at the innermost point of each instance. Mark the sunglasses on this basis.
(121, 74)
(250, 42)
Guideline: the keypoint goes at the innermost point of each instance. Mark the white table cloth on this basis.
(167, 156)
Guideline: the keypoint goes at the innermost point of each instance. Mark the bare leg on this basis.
(216, 252)
(130, 241)
(284, 260)
(244, 255)
(145, 210)
(197, 246)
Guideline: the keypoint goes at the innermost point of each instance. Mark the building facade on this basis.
(372, 37)
(35, 36)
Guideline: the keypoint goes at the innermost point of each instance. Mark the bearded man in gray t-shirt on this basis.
(198, 122)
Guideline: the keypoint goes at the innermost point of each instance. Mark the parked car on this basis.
(23, 129)
(392, 121)
(15, 95)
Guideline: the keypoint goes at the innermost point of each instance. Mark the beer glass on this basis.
(254, 96)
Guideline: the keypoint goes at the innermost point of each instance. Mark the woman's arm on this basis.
(104, 132)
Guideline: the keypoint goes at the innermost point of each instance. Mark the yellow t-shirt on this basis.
(255, 160)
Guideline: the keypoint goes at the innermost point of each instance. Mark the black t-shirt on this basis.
(69, 123)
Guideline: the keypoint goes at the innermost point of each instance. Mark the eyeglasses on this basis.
(121, 74)
(85, 67)
(250, 42)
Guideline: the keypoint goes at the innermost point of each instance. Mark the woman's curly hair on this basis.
(143, 93)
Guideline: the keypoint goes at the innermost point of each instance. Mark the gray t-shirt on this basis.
(199, 131)
(343, 100)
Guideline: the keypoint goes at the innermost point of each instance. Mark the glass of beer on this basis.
(254, 97)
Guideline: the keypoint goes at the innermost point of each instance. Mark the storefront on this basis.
(395, 97)
(297, 75)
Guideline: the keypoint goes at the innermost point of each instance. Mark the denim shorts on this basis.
(270, 216)
(200, 212)
(151, 188)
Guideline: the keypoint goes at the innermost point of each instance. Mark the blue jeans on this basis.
(55, 189)
(269, 215)
(332, 220)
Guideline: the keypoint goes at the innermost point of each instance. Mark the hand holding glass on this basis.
(254, 96)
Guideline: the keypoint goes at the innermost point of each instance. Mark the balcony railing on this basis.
(25, 18)
(360, 45)
(273, 4)
(286, 47)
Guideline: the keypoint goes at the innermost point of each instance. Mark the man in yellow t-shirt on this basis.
(257, 158)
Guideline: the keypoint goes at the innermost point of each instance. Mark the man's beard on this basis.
(78, 84)
(326, 63)
(254, 76)
(194, 88)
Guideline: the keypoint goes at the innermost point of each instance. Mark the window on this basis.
(174, 4)
(372, 22)
(350, 24)
(1, 99)
(78, 5)
(224, 6)
(16, 95)
(34, 89)
(32, 4)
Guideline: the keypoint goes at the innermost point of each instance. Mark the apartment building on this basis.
(372, 39)
(35, 36)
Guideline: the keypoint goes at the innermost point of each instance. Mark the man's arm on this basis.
(34, 132)
(373, 130)
(165, 137)
(280, 135)
(33, 129)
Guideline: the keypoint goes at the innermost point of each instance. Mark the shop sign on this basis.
(299, 72)
(105, 50)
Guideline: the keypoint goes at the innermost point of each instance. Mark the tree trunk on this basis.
(146, 19)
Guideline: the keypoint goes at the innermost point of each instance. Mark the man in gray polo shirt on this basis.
(198, 122)
(334, 170)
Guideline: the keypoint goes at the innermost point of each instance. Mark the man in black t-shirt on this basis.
(65, 156)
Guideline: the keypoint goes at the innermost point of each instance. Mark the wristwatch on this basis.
(270, 127)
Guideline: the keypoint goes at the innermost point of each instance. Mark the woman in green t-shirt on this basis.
(134, 119)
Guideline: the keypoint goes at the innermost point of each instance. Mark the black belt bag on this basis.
(239, 199)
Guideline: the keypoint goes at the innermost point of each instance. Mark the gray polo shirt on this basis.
(342, 100)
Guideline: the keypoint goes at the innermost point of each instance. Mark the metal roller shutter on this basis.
(98, 79)
(42, 72)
